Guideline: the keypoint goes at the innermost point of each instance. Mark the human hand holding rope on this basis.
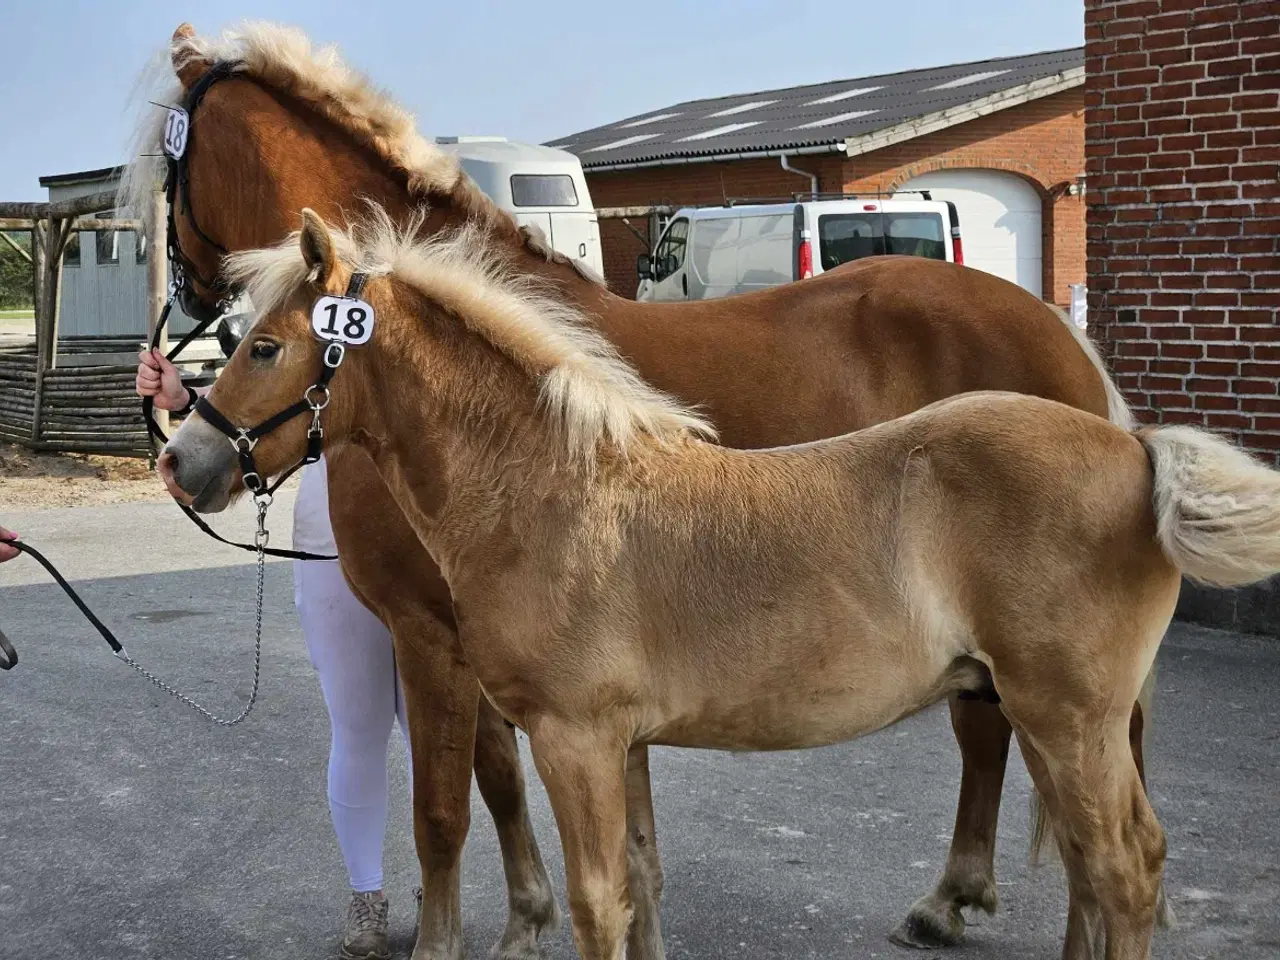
(159, 379)
(7, 552)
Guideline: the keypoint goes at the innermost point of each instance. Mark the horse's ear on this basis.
(317, 247)
(186, 65)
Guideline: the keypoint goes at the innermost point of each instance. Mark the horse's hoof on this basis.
(928, 929)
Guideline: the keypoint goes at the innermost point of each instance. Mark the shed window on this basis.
(543, 190)
(108, 244)
(71, 254)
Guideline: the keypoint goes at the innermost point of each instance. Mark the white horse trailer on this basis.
(539, 186)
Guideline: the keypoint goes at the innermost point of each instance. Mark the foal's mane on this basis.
(589, 391)
(283, 59)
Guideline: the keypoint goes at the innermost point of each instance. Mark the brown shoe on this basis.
(366, 935)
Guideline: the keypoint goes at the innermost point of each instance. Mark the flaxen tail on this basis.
(1217, 508)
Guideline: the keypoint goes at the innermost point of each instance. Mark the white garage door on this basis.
(999, 221)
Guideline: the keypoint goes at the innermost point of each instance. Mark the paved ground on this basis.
(130, 828)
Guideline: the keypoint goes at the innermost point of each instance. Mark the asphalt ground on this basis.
(131, 828)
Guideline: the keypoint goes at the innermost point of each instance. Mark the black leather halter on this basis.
(178, 191)
(314, 399)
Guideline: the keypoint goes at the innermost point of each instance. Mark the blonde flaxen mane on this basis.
(591, 393)
(284, 59)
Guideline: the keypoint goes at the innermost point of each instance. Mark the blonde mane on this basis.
(591, 393)
(283, 59)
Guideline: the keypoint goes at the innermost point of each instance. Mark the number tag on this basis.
(176, 127)
(342, 320)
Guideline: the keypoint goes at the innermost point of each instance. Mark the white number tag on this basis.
(342, 320)
(176, 127)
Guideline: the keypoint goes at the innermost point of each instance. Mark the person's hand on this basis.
(159, 378)
(7, 552)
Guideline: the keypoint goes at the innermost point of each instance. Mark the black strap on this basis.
(98, 625)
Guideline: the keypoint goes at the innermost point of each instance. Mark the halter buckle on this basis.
(334, 354)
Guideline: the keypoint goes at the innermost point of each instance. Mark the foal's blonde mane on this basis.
(588, 389)
(284, 59)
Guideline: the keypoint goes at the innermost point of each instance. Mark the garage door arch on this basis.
(1000, 220)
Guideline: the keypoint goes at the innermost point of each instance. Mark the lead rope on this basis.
(260, 539)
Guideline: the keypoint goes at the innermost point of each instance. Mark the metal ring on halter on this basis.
(317, 406)
(243, 436)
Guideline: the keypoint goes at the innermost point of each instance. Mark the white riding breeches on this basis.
(353, 655)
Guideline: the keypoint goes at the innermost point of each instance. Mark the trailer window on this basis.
(543, 190)
(852, 236)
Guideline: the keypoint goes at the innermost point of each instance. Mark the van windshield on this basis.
(543, 190)
(851, 236)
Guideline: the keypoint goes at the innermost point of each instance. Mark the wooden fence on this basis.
(86, 407)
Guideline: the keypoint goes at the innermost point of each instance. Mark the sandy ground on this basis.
(32, 481)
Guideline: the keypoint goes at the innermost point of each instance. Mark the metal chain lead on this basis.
(260, 539)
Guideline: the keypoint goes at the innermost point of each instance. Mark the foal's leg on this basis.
(584, 771)
(644, 942)
(935, 920)
(531, 903)
(1111, 841)
(1085, 939)
(440, 694)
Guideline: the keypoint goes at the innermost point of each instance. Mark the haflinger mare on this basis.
(620, 580)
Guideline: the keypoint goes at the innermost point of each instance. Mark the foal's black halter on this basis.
(314, 399)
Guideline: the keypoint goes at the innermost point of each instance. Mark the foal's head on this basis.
(450, 345)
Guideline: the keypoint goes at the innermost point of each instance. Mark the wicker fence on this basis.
(88, 408)
(86, 404)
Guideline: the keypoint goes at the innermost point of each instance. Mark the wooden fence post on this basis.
(51, 241)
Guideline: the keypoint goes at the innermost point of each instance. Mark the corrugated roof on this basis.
(812, 115)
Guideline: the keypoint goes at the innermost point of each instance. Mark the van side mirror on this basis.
(644, 267)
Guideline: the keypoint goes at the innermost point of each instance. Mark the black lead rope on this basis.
(10, 658)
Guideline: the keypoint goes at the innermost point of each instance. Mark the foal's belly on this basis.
(791, 717)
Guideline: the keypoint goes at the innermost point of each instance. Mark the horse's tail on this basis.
(1117, 406)
(1217, 508)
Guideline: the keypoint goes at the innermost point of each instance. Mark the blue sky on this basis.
(530, 70)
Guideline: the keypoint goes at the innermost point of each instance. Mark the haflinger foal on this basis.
(618, 580)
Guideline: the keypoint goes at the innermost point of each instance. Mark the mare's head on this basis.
(290, 126)
(461, 346)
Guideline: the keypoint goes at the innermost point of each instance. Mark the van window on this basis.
(672, 244)
(850, 236)
(543, 190)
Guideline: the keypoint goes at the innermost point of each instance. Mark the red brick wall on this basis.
(1182, 131)
(1042, 141)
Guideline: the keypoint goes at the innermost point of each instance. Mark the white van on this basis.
(710, 252)
(538, 185)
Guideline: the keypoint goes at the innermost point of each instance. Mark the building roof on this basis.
(851, 116)
(103, 174)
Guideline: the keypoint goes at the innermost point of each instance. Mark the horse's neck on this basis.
(470, 472)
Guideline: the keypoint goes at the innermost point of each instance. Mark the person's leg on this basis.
(352, 653)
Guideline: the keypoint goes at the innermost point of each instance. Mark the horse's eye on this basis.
(264, 349)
